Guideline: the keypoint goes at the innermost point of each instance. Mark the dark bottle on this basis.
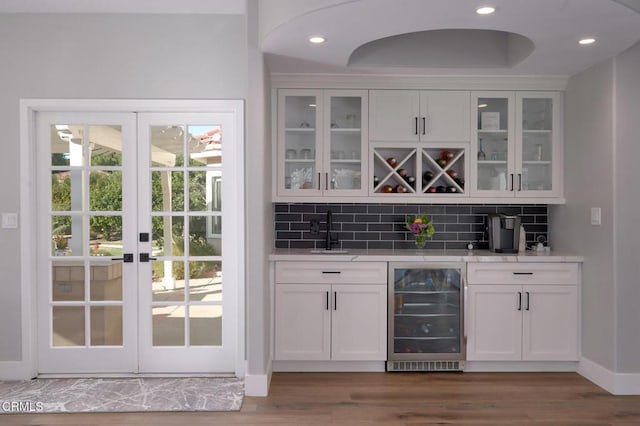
(411, 180)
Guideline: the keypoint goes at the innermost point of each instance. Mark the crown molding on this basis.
(446, 82)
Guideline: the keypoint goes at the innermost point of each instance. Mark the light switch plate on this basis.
(9, 220)
(596, 216)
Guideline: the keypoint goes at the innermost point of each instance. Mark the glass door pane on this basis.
(300, 150)
(345, 156)
(425, 310)
(537, 144)
(186, 243)
(493, 144)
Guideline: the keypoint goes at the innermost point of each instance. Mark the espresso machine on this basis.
(503, 233)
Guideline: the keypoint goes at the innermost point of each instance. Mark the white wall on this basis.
(602, 147)
(627, 205)
(259, 214)
(102, 56)
(588, 144)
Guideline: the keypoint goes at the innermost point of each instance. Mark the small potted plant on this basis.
(421, 227)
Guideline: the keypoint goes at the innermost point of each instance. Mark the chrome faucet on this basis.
(330, 240)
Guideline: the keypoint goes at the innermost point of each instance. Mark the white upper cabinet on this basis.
(516, 141)
(322, 142)
(425, 116)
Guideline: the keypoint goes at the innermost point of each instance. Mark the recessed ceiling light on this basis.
(485, 10)
(587, 40)
(312, 105)
(316, 39)
(482, 106)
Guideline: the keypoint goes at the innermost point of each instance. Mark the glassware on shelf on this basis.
(481, 155)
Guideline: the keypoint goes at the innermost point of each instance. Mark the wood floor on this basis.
(398, 399)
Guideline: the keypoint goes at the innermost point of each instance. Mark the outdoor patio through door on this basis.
(132, 209)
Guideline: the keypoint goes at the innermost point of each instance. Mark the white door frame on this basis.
(28, 367)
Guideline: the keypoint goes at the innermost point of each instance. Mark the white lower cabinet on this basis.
(324, 311)
(523, 312)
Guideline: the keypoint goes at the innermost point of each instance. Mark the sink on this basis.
(332, 251)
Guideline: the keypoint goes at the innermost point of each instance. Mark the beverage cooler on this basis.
(425, 323)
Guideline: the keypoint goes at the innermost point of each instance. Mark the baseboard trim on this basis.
(615, 383)
(15, 370)
(257, 384)
(519, 366)
(328, 366)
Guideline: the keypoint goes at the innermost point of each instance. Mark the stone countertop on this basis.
(421, 256)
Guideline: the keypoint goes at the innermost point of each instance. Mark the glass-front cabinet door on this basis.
(493, 144)
(517, 144)
(537, 168)
(322, 136)
(345, 154)
(299, 138)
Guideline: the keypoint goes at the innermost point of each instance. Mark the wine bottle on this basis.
(481, 154)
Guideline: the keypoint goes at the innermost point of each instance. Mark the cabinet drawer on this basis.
(522, 273)
(331, 272)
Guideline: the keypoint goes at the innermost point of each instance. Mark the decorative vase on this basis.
(421, 240)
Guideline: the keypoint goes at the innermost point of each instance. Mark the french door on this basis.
(130, 252)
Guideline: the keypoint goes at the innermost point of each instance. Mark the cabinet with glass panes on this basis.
(516, 141)
(321, 149)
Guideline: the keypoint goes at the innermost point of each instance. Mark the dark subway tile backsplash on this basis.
(381, 226)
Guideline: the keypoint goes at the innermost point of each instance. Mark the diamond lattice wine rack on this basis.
(408, 169)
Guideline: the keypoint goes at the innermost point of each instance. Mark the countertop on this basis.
(423, 256)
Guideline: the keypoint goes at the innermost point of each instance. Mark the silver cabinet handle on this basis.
(335, 300)
(327, 299)
(326, 181)
(512, 188)
(319, 181)
(416, 118)
(424, 125)
(528, 297)
(523, 273)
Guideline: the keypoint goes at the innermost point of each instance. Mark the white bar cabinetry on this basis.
(522, 312)
(330, 311)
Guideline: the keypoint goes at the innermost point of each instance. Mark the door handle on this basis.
(519, 181)
(519, 300)
(327, 299)
(144, 257)
(416, 125)
(528, 297)
(424, 125)
(126, 258)
(512, 188)
(319, 181)
(335, 300)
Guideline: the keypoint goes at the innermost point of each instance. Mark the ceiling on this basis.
(419, 37)
(435, 37)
